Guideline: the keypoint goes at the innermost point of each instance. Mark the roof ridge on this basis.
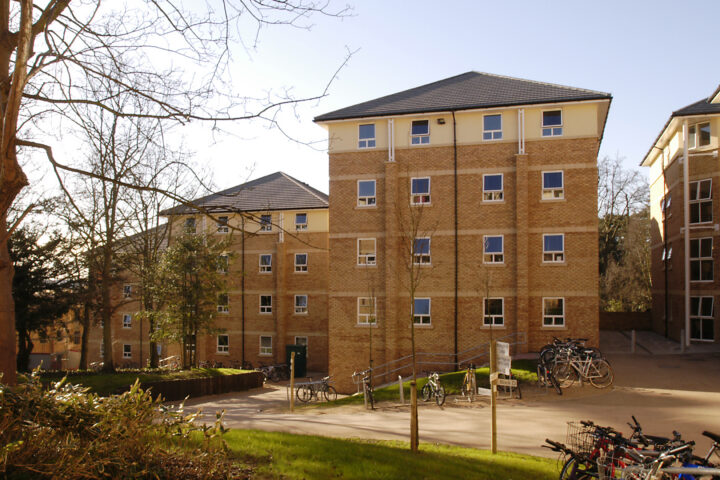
(303, 185)
(538, 82)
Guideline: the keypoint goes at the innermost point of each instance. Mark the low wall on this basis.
(626, 320)
(173, 390)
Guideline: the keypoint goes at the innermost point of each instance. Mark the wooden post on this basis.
(402, 392)
(493, 398)
(292, 381)
(413, 416)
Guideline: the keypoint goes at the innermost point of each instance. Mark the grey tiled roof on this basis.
(700, 107)
(467, 91)
(277, 191)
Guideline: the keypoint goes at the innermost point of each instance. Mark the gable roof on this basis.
(463, 92)
(277, 191)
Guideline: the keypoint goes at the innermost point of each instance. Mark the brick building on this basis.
(684, 281)
(502, 174)
(277, 276)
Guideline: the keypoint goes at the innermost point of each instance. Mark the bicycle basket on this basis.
(580, 439)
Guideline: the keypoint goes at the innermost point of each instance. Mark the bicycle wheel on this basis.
(600, 374)
(369, 396)
(466, 389)
(542, 376)
(425, 392)
(572, 470)
(547, 355)
(304, 393)
(274, 375)
(440, 395)
(330, 393)
(565, 374)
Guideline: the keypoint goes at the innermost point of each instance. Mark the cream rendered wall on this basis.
(318, 221)
(579, 120)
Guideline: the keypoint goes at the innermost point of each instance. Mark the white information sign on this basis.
(502, 350)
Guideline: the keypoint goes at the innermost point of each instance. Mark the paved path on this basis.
(664, 392)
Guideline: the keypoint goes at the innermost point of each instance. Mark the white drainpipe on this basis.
(686, 227)
(521, 131)
(391, 140)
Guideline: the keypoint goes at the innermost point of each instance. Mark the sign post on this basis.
(493, 396)
(292, 381)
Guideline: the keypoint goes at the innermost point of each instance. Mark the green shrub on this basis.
(67, 432)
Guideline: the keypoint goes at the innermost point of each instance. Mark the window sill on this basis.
(222, 353)
(494, 264)
(552, 200)
(555, 327)
(366, 325)
(429, 204)
(304, 314)
(264, 354)
(366, 265)
(301, 272)
(263, 232)
(493, 202)
(554, 264)
(702, 281)
(265, 273)
(265, 314)
(424, 325)
(366, 207)
(494, 327)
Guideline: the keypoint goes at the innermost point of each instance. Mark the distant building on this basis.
(505, 172)
(683, 299)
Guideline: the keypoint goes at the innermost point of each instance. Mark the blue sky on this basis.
(652, 56)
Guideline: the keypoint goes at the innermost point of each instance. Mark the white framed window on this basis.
(265, 345)
(127, 291)
(127, 351)
(266, 223)
(265, 304)
(553, 312)
(223, 344)
(420, 190)
(552, 124)
(701, 259)
(366, 248)
(366, 135)
(301, 304)
(701, 201)
(190, 225)
(492, 127)
(702, 318)
(127, 321)
(301, 262)
(366, 193)
(366, 311)
(265, 260)
(223, 303)
(665, 204)
(301, 221)
(222, 224)
(421, 315)
(493, 187)
(420, 132)
(421, 251)
(554, 248)
(493, 249)
(223, 263)
(494, 315)
(699, 135)
(553, 185)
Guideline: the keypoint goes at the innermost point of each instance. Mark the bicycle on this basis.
(367, 389)
(576, 363)
(433, 388)
(546, 378)
(469, 384)
(308, 391)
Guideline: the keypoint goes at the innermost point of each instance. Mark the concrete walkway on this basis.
(665, 393)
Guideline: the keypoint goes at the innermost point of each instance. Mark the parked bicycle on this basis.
(433, 388)
(366, 378)
(274, 373)
(546, 378)
(314, 390)
(577, 362)
(469, 384)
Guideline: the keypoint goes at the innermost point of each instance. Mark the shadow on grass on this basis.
(298, 456)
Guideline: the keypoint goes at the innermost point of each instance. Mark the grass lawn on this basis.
(524, 370)
(284, 455)
(108, 383)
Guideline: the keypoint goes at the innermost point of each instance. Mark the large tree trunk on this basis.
(25, 347)
(7, 310)
(106, 311)
(84, 319)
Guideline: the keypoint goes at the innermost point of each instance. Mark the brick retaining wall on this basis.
(173, 390)
(626, 320)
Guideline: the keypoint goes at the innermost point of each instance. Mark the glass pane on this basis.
(695, 328)
(546, 132)
(706, 270)
(708, 329)
(706, 211)
(366, 188)
(301, 259)
(301, 218)
(420, 127)
(695, 270)
(367, 131)
(492, 182)
(493, 244)
(705, 189)
(706, 247)
(693, 190)
(422, 245)
(694, 248)
(704, 136)
(706, 306)
(487, 136)
(695, 306)
(223, 340)
(552, 118)
(300, 300)
(265, 300)
(420, 185)
(553, 243)
(266, 341)
(493, 306)
(553, 306)
(422, 306)
(552, 180)
(492, 122)
(265, 259)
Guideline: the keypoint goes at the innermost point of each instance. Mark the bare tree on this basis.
(54, 53)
